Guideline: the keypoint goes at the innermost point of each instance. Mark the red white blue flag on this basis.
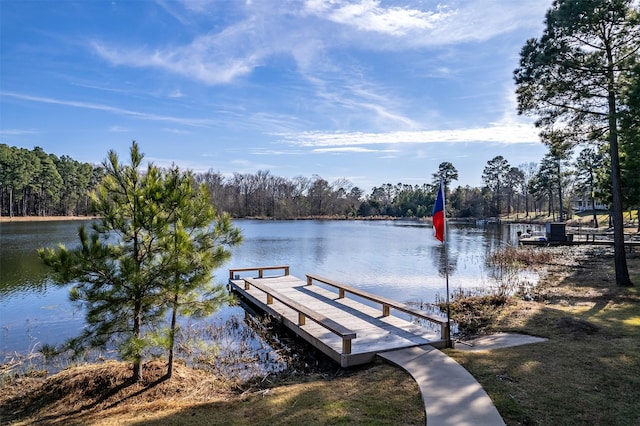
(438, 214)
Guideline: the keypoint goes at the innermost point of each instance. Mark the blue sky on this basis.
(370, 91)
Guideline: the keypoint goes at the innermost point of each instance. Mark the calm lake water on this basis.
(396, 259)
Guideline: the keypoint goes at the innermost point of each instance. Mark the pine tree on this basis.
(152, 252)
(573, 79)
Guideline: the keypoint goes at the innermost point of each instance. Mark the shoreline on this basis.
(12, 219)
(631, 229)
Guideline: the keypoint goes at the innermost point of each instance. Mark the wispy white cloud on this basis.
(199, 61)
(384, 114)
(118, 129)
(370, 105)
(177, 131)
(351, 149)
(277, 152)
(17, 132)
(370, 15)
(495, 133)
(110, 109)
(200, 6)
(408, 26)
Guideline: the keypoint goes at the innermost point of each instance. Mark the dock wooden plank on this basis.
(360, 316)
(374, 332)
(301, 310)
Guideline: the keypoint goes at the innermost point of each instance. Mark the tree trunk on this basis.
(560, 203)
(620, 259)
(593, 197)
(137, 332)
(11, 202)
(172, 336)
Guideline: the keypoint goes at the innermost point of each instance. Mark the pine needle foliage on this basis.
(149, 258)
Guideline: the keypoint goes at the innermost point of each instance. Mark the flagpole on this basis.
(446, 264)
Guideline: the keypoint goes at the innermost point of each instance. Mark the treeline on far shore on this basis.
(35, 183)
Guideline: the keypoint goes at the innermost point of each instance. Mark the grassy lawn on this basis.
(588, 372)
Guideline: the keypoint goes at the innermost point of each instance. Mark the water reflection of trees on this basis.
(22, 273)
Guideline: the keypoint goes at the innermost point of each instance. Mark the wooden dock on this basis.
(579, 242)
(329, 315)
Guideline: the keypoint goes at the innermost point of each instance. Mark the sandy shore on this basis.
(43, 218)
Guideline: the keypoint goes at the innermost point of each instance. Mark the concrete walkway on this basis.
(451, 395)
(497, 341)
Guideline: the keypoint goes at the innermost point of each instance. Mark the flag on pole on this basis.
(438, 214)
(439, 229)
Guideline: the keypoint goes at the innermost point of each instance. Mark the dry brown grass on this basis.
(85, 394)
(103, 395)
(476, 314)
(522, 257)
